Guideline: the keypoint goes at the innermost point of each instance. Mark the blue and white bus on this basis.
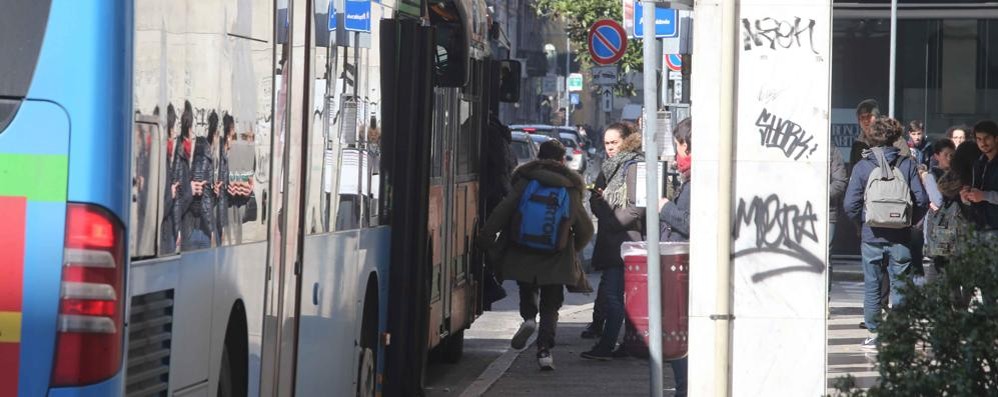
(240, 197)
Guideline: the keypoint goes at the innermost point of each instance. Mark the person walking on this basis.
(879, 181)
(619, 220)
(542, 225)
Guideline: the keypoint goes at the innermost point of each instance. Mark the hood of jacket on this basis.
(549, 173)
(891, 153)
(631, 144)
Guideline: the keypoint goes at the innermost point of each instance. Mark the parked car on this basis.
(537, 129)
(574, 155)
(524, 148)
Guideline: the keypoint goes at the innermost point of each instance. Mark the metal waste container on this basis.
(675, 260)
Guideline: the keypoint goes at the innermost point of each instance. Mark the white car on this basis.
(574, 155)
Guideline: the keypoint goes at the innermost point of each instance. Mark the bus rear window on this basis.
(22, 27)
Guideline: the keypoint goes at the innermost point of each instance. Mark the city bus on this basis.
(240, 197)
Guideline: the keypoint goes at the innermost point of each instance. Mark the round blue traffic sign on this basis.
(674, 62)
(607, 42)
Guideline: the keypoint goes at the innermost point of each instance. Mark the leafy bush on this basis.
(944, 340)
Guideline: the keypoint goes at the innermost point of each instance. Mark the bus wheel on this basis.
(453, 347)
(365, 373)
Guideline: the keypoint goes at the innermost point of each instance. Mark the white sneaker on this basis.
(520, 337)
(870, 343)
(545, 360)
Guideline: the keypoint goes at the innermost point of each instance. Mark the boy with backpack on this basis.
(542, 226)
(885, 196)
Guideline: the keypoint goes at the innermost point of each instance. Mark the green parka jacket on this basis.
(515, 262)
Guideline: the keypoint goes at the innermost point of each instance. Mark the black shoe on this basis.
(597, 354)
(620, 353)
(862, 324)
(591, 332)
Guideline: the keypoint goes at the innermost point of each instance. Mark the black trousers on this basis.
(551, 297)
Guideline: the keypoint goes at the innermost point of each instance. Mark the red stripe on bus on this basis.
(13, 211)
(10, 353)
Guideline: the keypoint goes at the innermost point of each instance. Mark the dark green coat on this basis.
(514, 262)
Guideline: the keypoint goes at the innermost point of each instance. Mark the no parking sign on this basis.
(607, 42)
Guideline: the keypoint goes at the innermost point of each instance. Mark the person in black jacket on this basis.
(674, 220)
(837, 181)
(181, 175)
(983, 193)
(168, 229)
(620, 220)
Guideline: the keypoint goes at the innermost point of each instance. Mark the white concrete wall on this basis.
(779, 204)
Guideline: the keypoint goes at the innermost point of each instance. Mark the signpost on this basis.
(607, 42)
(674, 62)
(604, 75)
(358, 15)
(575, 82)
(666, 22)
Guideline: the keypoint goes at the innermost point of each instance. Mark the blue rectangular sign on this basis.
(574, 98)
(666, 21)
(331, 14)
(358, 15)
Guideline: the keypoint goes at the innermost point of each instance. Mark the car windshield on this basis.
(522, 150)
(568, 142)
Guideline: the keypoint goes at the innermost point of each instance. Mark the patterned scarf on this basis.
(615, 192)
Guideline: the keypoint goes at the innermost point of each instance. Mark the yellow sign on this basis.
(10, 327)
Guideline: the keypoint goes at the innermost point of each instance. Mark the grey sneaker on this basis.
(520, 337)
(870, 343)
(545, 360)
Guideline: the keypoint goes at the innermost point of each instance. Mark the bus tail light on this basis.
(91, 301)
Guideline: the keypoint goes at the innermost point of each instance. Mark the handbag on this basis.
(582, 285)
(249, 215)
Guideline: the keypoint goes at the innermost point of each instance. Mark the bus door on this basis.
(291, 90)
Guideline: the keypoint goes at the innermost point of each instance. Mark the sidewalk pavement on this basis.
(574, 375)
(516, 373)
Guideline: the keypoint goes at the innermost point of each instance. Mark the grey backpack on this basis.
(887, 199)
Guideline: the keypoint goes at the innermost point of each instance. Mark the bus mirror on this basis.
(509, 81)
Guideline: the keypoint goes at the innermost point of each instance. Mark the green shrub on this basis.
(943, 341)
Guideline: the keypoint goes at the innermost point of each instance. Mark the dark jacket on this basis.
(525, 264)
(854, 198)
(986, 179)
(837, 181)
(222, 203)
(859, 147)
(199, 214)
(617, 226)
(181, 174)
(674, 219)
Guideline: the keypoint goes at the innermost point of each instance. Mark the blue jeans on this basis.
(680, 372)
(897, 259)
(612, 285)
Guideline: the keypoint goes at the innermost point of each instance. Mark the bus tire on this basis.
(367, 360)
(232, 373)
(452, 348)
(225, 375)
(365, 373)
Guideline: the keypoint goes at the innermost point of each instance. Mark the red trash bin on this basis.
(675, 259)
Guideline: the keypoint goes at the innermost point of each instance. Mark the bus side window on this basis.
(145, 195)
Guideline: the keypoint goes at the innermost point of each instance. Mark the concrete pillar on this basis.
(779, 200)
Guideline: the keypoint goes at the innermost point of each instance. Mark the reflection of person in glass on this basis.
(168, 231)
(199, 219)
(184, 187)
(221, 185)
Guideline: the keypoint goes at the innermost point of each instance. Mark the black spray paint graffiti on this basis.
(786, 135)
(775, 33)
(780, 229)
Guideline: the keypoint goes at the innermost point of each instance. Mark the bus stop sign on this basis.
(607, 42)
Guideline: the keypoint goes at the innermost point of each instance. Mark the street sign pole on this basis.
(651, 58)
(568, 63)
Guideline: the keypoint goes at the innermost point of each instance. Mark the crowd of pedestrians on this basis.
(913, 201)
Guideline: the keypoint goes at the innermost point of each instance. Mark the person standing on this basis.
(886, 230)
(837, 181)
(540, 273)
(620, 220)
(983, 193)
(674, 221)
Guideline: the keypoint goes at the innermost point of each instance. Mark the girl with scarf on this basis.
(674, 220)
(620, 220)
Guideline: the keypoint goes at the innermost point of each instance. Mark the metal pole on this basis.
(651, 58)
(568, 71)
(723, 316)
(894, 43)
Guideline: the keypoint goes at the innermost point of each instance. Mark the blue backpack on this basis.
(542, 219)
